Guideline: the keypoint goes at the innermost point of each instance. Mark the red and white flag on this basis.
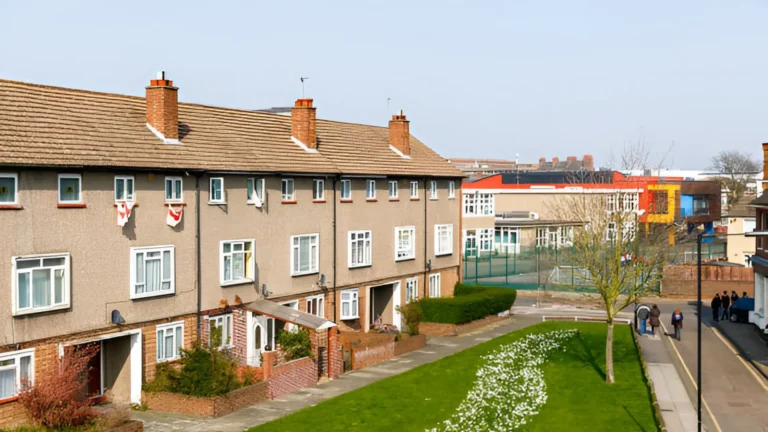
(174, 216)
(124, 212)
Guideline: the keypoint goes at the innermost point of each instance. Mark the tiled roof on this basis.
(51, 126)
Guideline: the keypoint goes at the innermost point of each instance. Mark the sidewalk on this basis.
(676, 408)
(748, 342)
(437, 348)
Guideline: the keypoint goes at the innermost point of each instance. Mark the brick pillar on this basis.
(335, 365)
(268, 362)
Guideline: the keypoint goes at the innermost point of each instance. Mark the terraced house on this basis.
(138, 223)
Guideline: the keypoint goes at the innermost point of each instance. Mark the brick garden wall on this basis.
(364, 356)
(440, 329)
(680, 280)
(410, 343)
(207, 406)
(12, 414)
(292, 376)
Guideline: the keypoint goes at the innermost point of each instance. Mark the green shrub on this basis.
(470, 302)
(166, 379)
(412, 315)
(295, 344)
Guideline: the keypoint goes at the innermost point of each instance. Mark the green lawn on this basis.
(579, 399)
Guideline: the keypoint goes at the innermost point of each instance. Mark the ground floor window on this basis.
(16, 369)
(349, 304)
(315, 306)
(411, 290)
(170, 340)
(222, 323)
(506, 239)
(434, 285)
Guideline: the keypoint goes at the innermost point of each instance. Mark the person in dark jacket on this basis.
(655, 321)
(734, 297)
(726, 306)
(744, 295)
(642, 319)
(716, 302)
(677, 322)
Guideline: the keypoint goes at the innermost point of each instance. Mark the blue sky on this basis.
(476, 79)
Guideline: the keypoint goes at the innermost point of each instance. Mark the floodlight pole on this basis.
(698, 312)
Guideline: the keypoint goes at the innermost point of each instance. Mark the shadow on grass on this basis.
(639, 426)
(586, 356)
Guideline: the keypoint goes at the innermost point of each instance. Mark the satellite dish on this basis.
(117, 318)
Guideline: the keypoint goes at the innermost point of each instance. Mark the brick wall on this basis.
(12, 414)
(680, 280)
(335, 359)
(149, 337)
(207, 406)
(292, 376)
(440, 329)
(364, 356)
(410, 343)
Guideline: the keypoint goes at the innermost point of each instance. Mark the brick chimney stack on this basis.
(571, 159)
(555, 161)
(163, 106)
(303, 122)
(542, 161)
(400, 133)
(589, 163)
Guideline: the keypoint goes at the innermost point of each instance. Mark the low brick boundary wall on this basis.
(410, 343)
(440, 329)
(292, 376)
(369, 355)
(207, 406)
(679, 281)
(12, 414)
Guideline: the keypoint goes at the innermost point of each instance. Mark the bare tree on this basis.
(738, 168)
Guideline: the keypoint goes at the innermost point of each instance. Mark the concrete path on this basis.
(267, 411)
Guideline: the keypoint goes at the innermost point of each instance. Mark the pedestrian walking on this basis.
(734, 297)
(655, 322)
(726, 315)
(677, 322)
(716, 303)
(642, 319)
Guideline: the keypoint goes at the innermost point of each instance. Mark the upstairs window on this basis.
(370, 189)
(9, 189)
(346, 189)
(405, 243)
(414, 190)
(41, 283)
(288, 193)
(304, 254)
(360, 248)
(433, 190)
(451, 190)
(70, 189)
(216, 192)
(659, 202)
(16, 369)
(255, 191)
(443, 239)
(393, 189)
(478, 204)
(124, 190)
(237, 263)
(173, 189)
(152, 271)
(318, 190)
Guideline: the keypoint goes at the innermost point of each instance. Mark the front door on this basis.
(258, 344)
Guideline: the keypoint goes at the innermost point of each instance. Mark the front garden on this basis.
(546, 377)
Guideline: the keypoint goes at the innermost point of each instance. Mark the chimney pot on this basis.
(555, 161)
(163, 106)
(571, 159)
(303, 122)
(400, 133)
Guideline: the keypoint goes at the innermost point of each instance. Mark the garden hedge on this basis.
(470, 303)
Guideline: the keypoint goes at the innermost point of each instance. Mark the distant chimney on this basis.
(542, 161)
(571, 159)
(589, 163)
(303, 121)
(163, 107)
(400, 133)
(555, 161)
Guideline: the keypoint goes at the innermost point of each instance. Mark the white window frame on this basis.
(610, 231)
(354, 304)
(542, 237)
(16, 356)
(440, 248)
(284, 195)
(65, 294)
(364, 238)
(393, 191)
(216, 200)
(172, 279)
(126, 196)
(320, 304)
(79, 179)
(250, 264)
(318, 190)
(414, 189)
(630, 202)
(405, 254)
(610, 203)
(411, 289)
(257, 186)
(178, 345)
(370, 189)
(433, 189)
(451, 189)
(434, 285)
(15, 178)
(348, 184)
(312, 270)
(227, 324)
(478, 204)
(173, 180)
(485, 239)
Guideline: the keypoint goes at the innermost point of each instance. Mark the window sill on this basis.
(289, 202)
(41, 310)
(350, 318)
(371, 200)
(415, 199)
(169, 361)
(405, 259)
(236, 282)
(217, 203)
(11, 207)
(134, 204)
(152, 295)
(434, 199)
(9, 400)
(345, 201)
(73, 205)
(174, 203)
(305, 273)
(394, 199)
(451, 198)
(318, 201)
(360, 266)
(444, 254)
